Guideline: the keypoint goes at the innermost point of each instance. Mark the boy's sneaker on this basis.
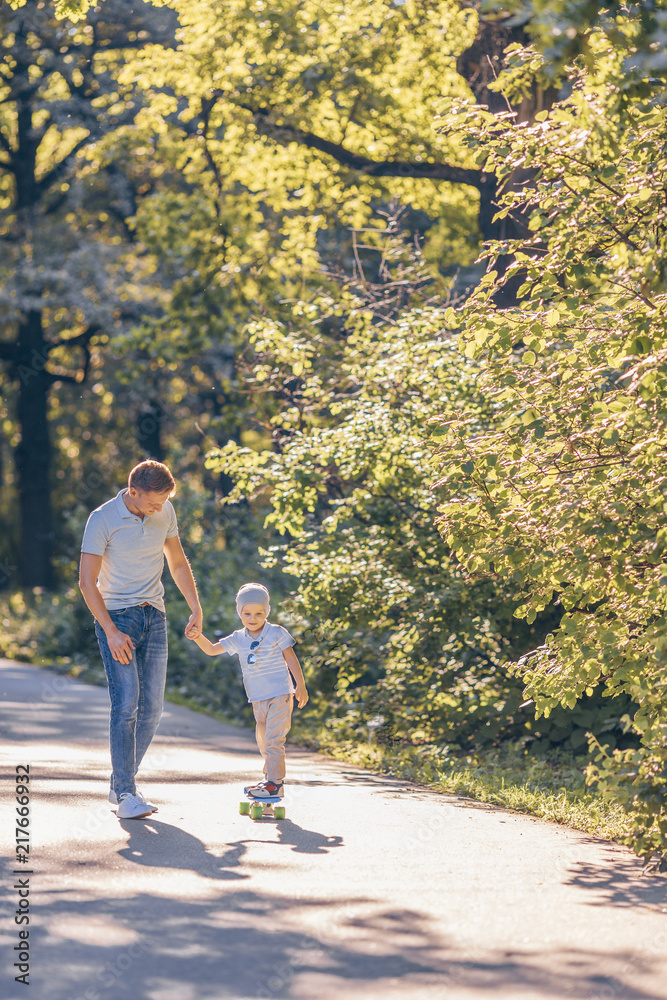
(113, 799)
(264, 790)
(130, 807)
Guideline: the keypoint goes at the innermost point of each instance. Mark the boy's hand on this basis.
(301, 695)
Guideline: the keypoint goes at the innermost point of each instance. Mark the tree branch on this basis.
(372, 168)
(6, 145)
(59, 375)
(81, 339)
(206, 108)
(56, 172)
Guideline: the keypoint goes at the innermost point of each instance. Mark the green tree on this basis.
(564, 30)
(189, 189)
(68, 281)
(562, 494)
(320, 107)
(390, 624)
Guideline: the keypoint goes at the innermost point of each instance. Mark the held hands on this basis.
(194, 626)
(301, 695)
(121, 646)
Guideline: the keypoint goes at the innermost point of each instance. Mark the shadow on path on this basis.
(244, 944)
(620, 884)
(161, 845)
(306, 841)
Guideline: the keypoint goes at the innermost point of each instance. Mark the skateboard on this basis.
(259, 808)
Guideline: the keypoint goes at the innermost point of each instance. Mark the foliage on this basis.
(165, 214)
(75, 10)
(566, 30)
(387, 619)
(70, 278)
(562, 493)
(269, 143)
(200, 174)
(37, 626)
(64, 227)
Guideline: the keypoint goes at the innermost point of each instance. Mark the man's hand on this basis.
(301, 695)
(194, 626)
(120, 645)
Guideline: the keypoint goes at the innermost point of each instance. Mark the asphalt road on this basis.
(370, 888)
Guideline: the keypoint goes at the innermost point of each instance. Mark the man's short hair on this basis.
(152, 477)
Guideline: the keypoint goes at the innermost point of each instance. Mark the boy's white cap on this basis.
(252, 593)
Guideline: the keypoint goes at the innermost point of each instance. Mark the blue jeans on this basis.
(136, 689)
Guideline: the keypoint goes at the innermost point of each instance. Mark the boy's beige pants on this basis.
(274, 718)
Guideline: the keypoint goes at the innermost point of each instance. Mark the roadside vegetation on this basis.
(385, 284)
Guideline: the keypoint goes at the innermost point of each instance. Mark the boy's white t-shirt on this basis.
(268, 676)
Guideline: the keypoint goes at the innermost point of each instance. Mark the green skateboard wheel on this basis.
(256, 812)
(279, 812)
(244, 808)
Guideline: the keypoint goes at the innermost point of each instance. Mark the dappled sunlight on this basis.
(384, 282)
(621, 882)
(97, 931)
(293, 948)
(371, 886)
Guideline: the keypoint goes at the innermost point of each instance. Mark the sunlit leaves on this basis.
(629, 37)
(400, 628)
(364, 76)
(572, 507)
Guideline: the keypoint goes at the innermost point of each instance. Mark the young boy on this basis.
(267, 660)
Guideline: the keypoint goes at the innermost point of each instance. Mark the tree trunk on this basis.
(149, 430)
(480, 65)
(33, 455)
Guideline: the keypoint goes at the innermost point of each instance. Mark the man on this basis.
(122, 559)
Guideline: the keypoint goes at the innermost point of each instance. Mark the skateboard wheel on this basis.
(244, 808)
(279, 812)
(256, 812)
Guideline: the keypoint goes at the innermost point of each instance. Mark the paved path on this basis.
(371, 888)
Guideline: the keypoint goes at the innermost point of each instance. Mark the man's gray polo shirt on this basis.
(132, 551)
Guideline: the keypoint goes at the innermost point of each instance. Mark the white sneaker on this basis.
(130, 807)
(113, 799)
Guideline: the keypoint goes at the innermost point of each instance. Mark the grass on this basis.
(552, 788)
